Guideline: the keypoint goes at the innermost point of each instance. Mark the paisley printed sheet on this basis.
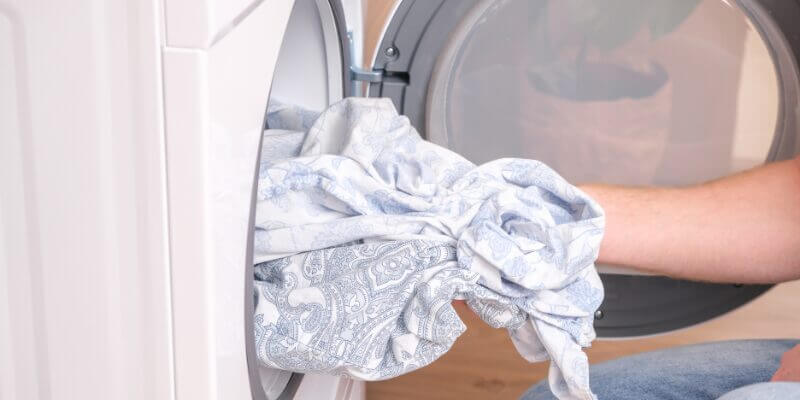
(365, 233)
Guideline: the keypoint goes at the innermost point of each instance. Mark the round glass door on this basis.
(649, 92)
(657, 92)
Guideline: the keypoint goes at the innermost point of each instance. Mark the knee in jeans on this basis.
(765, 391)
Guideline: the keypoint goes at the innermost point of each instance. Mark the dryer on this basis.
(130, 131)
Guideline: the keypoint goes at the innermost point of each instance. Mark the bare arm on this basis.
(741, 229)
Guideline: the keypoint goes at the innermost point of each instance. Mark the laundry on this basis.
(365, 234)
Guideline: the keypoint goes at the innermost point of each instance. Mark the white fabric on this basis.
(365, 237)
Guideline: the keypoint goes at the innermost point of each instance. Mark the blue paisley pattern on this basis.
(365, 233)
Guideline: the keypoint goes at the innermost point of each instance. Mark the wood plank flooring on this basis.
(483, 364)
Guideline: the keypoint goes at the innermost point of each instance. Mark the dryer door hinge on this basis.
(366, 75)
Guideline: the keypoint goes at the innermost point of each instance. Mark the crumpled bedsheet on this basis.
(365, 233)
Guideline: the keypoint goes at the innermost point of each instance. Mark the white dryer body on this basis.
(129, 133)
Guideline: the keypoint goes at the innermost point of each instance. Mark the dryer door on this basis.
(658, 92)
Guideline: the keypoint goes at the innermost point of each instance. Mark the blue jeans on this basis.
(702, 371)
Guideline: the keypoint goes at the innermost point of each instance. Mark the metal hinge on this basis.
(366, 75)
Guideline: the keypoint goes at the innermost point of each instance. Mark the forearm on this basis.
(744, 228)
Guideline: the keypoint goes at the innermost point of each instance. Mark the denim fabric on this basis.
(702, 371)
(765, 391)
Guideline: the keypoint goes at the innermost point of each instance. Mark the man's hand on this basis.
(789, 371)
(741, 229)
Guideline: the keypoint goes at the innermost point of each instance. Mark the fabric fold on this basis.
(365, 236)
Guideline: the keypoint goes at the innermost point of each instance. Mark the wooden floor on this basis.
(483, 364)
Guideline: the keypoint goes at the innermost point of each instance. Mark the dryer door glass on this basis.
(663, 92)
(651, 92)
